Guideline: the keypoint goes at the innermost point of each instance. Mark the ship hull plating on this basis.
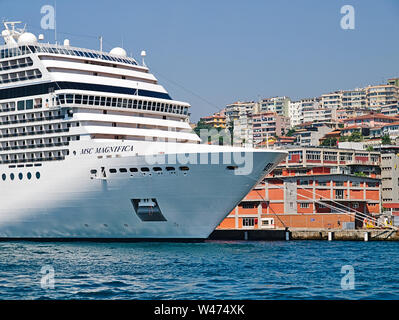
(69, 200)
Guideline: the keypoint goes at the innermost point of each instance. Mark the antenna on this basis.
(101, 43)
(55, 22)
(143, 54)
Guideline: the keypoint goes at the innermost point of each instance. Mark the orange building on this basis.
(312, 188)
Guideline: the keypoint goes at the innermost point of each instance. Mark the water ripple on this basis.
(210, 270)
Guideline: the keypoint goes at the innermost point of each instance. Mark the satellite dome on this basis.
(5, 33)
(27, 38)
(118, 52)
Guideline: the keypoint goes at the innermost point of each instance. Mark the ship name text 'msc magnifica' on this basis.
(77, 130)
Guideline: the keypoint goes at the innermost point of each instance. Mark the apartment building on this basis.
(295, 113)
(355, 99)
(331, 100)
(215, 121)
(279, 105)
(382, 96)
(234, 110)
(319, 114)
(243, 129)
(268, 124)
(390, 179)
(393, 82)
(370, 120)
(310, 133)
(346, 113)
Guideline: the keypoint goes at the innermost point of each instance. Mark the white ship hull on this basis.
(67, 201)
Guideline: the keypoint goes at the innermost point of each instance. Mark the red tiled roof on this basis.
(371, 116)
(391, 124)
(335, 132)
(356, 126)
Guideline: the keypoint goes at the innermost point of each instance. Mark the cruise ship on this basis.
(93, 147)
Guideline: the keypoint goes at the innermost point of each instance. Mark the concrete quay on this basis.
(306, 234)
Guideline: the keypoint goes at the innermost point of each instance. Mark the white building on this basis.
(295, 113)
(279, 105)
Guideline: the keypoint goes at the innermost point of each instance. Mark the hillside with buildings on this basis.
(342, 165)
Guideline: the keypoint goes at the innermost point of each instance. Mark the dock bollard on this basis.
(287, 235)
(366, 236)
(330, 235)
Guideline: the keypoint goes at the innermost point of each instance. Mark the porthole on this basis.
(12, 176)
(29, 175)
(20, 176)
(3, 176)
(37, 175)
(93, 171)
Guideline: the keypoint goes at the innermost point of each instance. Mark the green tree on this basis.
(369, 148)
(291, 132)
(360, 174)
(343, 138)
(386, 139)
(201, 125)
(356, 136)
(329, 142)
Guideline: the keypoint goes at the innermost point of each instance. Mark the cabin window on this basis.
(29, 104)
(145, 169)
(69, 98)
(122, 170)
(112, 170)
(21, 105)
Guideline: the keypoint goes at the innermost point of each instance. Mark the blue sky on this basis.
(211, 53)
